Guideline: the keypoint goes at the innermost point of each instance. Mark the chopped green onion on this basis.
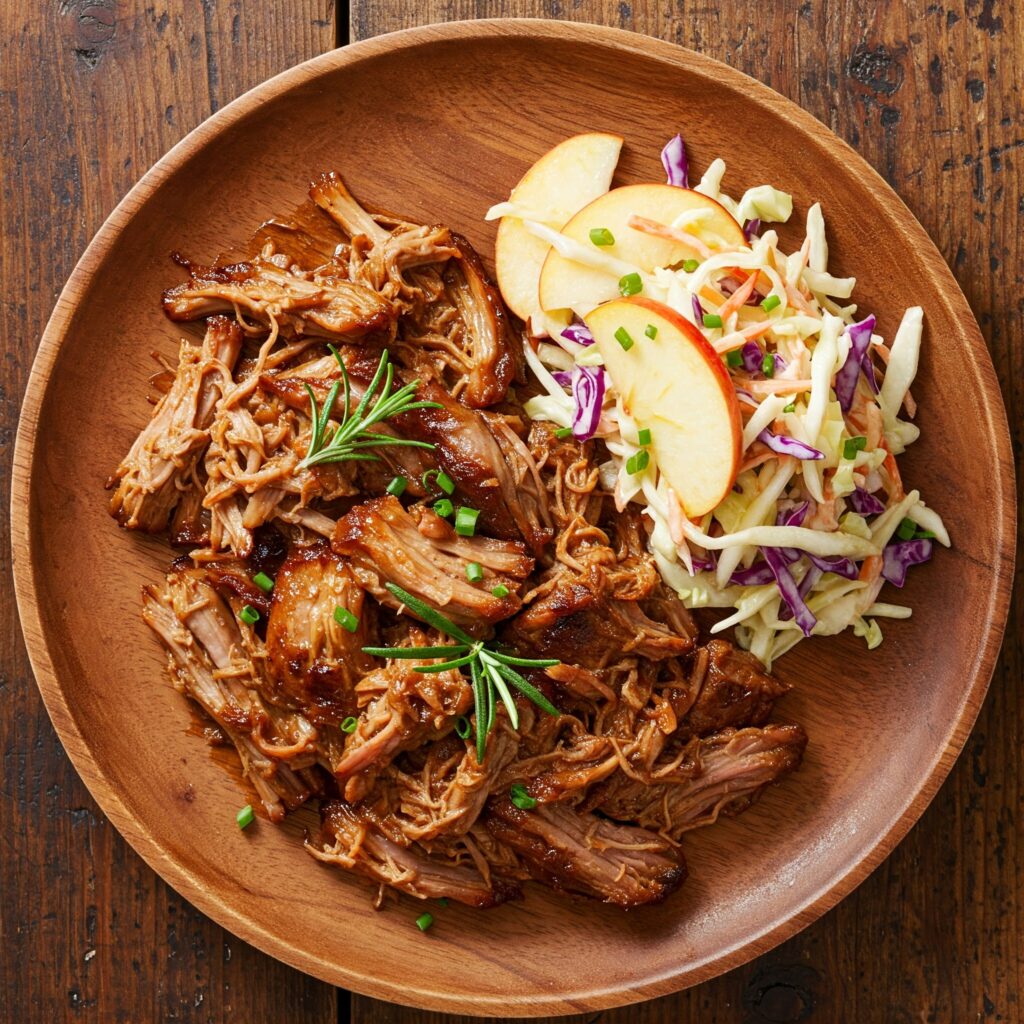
(770, 303)
(349, 725)
(443, 507)
(854, 445)
(712, 320)
(344, 618)
(906, 529)
(638, 462)
(474, 572)
(789, 408)
(249, 614)
(397, 486)
(245, 817)
(264, 582)
(563, 432)
(644, 436)
(521, 798)
(651, 331)
(924, 535)
(734, 358)
(768, 365)
(623, 338)
(424, 921)
(446, 483)
(601, 236)
(499, 591)
(690, 265)
(463, 727)
(630, 284)
(443, 901)
(465, 521)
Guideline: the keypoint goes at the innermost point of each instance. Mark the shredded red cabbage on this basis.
(845, 567)
(578, 333)
(847, 377)
(811, 577)
(563, 377)
(901, 555)
(789, 446)
(673, 159)
(865, 504)
(751, 228)
(802, 615)
(698, 310)
(755, 576)
(752, 357)
(588, 387)
(793, 515)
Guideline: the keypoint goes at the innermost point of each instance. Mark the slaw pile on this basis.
(819, 519)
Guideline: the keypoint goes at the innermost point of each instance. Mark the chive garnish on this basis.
(245, 817)
(770, 303)
(443, 507)
(712, 320)
(424, 921)
(465, 521)
(651, 331)
(264, 582)
(463, 727)
(623, 338)
(499, 591)
(249, 614)
(397, 486)
(644, 436)
(474, 572)
(344, 618)
(734, 358)
(350, 724)
(906, 529)
(789, 408)
(854, 445)
(601, 236)
(638, 462)
(768, 365)
(521, 797)
(563, 432)
(630, 284)
(690, 265)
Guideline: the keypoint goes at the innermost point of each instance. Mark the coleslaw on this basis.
(819, 518)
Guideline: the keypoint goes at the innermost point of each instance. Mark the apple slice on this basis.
(561, 182)
(676, 386)
(580, 286)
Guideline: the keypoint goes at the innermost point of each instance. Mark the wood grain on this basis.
(93, 91)
(927, 93)
(753, 881)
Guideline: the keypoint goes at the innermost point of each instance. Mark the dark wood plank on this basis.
(927, 92)
(93, 91)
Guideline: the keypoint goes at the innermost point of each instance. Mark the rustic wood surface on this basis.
(93, 91)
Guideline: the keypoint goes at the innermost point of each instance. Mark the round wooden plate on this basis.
(438, 123)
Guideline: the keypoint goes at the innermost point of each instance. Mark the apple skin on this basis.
(676, 386)
(567, 284)
(566, 178)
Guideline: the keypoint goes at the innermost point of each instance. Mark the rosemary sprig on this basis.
(492, 672)
(352, 436)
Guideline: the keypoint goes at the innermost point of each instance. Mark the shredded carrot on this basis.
(757, 460)
(737, 338)
(772, 387)
(797, 301)
(870, 569)
(894, 474)
(652, 227)
(738, 297)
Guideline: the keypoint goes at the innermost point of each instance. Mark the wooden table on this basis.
(93, 91)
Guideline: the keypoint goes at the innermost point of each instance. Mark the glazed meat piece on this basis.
(153, 475)
(352, 843)
(732, 689)
(385, 543)
(579, 621)
(489, 463)
(487, 362)
(579, 852)
(725, 776)
(314, 659)
(215, 664)
(321, 303)
(403, 710)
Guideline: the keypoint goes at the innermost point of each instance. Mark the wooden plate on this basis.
(438, 123)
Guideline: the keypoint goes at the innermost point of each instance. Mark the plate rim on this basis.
(180, 878)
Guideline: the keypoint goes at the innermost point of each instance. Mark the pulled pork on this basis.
(283, 625)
